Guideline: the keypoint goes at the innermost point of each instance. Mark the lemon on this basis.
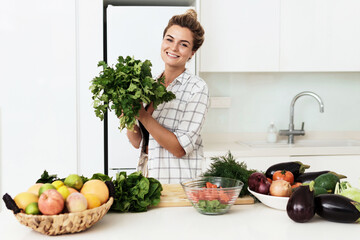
(92, 200)
(64, 191)
(74, 181)
(25, 198)
(32, 208)
(57, 184)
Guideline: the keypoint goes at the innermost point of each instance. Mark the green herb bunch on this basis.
(227, 166)
(135, 193)
(125, 87)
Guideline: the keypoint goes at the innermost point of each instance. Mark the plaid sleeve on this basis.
(190, 125)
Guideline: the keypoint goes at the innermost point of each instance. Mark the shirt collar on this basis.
(182, 78)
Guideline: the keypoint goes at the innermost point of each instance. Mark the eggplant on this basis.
(296, 168)
(301, 205)
(337, 208)
(310, 176)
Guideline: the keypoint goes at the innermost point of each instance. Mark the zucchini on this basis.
(337, 208)
(327, 181)
(309, 176)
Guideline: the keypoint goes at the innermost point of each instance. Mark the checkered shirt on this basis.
(184, 116)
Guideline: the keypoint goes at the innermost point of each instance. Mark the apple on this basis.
(51, 202)
(76, 202)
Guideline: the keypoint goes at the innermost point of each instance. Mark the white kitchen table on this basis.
(242, 222)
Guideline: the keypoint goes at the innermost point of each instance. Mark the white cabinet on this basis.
(347, 165)
(320, 35)
(38, 91)
(240, 35)
(280, 35)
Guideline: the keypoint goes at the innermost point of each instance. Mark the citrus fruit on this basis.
(92, 200)
(98, 188)
(74, 181)
(35, 188)
(57, 184)
(45, 187)
(71, 190)
(64, 191)
(32, 208)
(25, 198)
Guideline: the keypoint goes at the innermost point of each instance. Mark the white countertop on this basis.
(238, 144)
(241, 222)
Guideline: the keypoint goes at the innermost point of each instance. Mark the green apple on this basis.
(45, 187)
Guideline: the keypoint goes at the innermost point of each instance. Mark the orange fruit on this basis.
(72, 190)
(96, 187)
(92, 200)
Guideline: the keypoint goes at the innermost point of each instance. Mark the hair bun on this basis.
(192, 13)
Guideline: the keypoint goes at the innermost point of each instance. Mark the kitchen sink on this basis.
(303, 143)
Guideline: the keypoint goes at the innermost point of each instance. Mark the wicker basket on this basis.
(64, 223)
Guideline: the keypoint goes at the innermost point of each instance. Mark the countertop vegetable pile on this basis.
(227, 166)
(132, 193)
(309, 193)
(135, 193)
(125, 87)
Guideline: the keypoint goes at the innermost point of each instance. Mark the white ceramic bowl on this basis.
(271, 201)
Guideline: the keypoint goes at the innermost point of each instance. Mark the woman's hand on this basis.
(145, 113)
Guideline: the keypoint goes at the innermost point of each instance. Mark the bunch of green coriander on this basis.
(124, 88)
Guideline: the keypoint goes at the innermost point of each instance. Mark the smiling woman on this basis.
(170, 134)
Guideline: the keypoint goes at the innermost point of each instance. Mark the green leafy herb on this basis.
(101, 176)
(46, 178)
(135, 193)
(227, 166)
(125, 87)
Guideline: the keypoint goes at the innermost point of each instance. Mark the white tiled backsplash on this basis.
(260, 98)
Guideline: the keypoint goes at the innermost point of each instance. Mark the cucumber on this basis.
(317, 190)
(327, 181)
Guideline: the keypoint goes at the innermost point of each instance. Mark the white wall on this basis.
(38, 91)
(259, 98)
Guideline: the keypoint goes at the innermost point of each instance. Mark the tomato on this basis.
(269, 180)
(296, 184)
(284, 175)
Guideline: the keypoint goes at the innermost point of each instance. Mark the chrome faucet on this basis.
(291, 132)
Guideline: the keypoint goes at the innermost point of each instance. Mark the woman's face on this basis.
(176, 47)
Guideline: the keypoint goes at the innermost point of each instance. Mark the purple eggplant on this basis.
(310, 176)
(296, 168)
(301, 205)
(337, 208)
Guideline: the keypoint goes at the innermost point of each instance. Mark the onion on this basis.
(280, 188)
(257, 182)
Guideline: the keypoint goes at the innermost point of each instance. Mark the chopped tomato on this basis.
(284, 175)
(269, 180)
(210, 185)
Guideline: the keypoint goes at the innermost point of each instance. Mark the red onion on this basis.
(257, 182)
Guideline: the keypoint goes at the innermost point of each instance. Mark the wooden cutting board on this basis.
(173, 195)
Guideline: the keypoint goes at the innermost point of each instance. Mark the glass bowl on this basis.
(215, 200)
